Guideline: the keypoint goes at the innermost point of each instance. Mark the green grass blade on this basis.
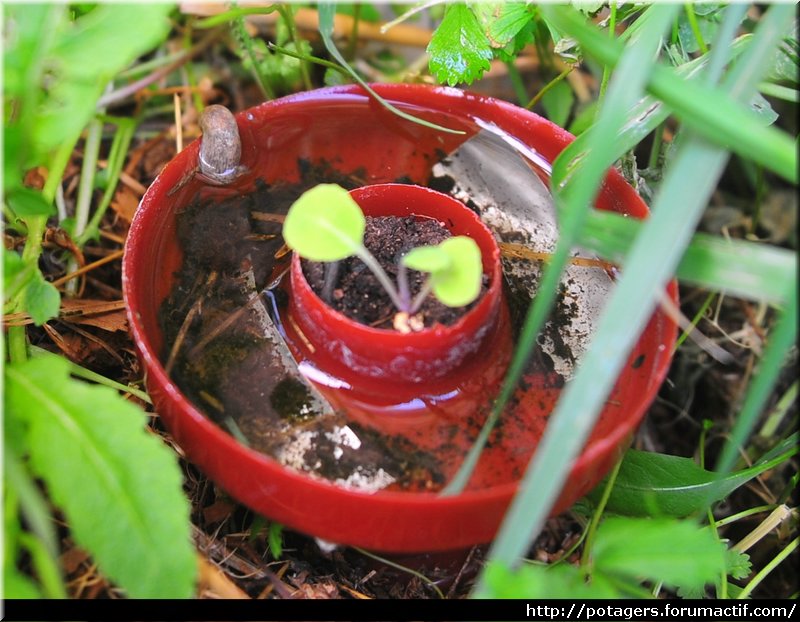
(783, 337)
(686, 188)
(737, 267)
(706, 110)
(573, 201)
(327, 11)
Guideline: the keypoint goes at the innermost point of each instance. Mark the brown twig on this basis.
(89, 267)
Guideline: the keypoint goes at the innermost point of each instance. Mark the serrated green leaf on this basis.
(679, 553)
(119, 486)
(652, 484)
(558, 581)
(460, 283)
(324, 224)
(41, 300)
(28, 202)
(501, 21)
(459, 50)
(737, 564)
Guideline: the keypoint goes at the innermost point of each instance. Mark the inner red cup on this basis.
(386, 354)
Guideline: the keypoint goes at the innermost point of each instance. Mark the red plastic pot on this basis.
(320, 125)
(387, 355)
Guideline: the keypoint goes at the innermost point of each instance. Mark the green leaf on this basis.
(707, 23)
(325, 224)
(737, 564)
(652, 484)
(17, 585)
(275, 539)
(28, 202)
(708, 110)
(459, 50)
(534, 581)
(557, 103)
(86, 54)
(41, 300)
(460, 282)
(14, 273)
(679, 553)
(119, 486)
(737, 267)
(501, 21)
(427, 259)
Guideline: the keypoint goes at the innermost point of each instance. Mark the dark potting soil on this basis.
(218, 352)
(356, 291)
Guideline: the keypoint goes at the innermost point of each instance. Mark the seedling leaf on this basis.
(427, 259)
(324, 224)
(460, 283)
(119, 486)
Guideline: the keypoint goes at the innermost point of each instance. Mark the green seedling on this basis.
(326, 224)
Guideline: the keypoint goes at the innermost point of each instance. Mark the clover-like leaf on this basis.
(325, 224)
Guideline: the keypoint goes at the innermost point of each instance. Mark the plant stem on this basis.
(88, 374)
(655, 150)
(288, 19)
(116, 158)
(516, 82)
(535, 99)
(351, 45)
(612, 25)
(779, 412)
(598, 513)
(690, 15)
(402, 568)
(246, 42)
(743, 514)
(402, 287)
(86, 186)
(369, 260)
(768, 568)
(308, 57)
(423, 293)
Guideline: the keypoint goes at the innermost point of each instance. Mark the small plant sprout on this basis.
(326, 224)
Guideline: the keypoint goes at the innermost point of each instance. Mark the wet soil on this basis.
(356, 292)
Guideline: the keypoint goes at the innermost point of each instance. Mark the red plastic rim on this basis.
(274, 136)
